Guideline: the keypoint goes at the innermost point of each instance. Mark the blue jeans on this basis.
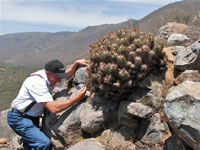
(32, 137)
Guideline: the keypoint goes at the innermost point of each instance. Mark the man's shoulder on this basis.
(36, 77)
(39, 72)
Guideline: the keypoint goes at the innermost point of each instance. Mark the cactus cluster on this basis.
(119, 60)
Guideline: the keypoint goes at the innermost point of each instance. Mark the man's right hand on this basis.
(81, 93)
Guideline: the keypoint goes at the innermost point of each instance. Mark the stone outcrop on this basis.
(88, 144)
(177, 39)
(182, 111)
(172, 28)
(189, 59)
(5, 130)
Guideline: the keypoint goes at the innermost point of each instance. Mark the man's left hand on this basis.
(82, 62)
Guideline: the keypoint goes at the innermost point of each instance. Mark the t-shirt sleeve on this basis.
(37, 88)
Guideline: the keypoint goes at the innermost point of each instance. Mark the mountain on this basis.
(32, 49)
(182, 12)
(15, 48)
(36, 48)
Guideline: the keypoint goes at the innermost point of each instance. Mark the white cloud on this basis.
(163, 2)
(54, 16)
(68, 14)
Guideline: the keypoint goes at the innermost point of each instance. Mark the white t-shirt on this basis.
(33, 89)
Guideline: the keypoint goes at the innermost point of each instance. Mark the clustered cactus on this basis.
(119, 60)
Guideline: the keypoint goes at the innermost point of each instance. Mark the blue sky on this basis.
(70, 15)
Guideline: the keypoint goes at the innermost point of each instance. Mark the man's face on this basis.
(52, 78)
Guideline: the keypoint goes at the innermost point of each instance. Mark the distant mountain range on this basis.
(36, 48)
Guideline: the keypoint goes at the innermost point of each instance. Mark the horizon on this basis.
(19, 16)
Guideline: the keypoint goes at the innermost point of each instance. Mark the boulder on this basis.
(157, 131)
(88, 144)
(153, 134)
(118, 139)
(177, 39)
(177, 49)
(97, 113)
(171, 28)
(67, 128)
(153, 98)
(91, 120)
(64, 128)
(191, 75)
(182, 111)
(137, 110)
(16, 143)
(5, 130)
(80, 75)
(174, 143)
(189, 59)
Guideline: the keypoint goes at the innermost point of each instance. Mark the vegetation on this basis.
(120, 60)
(11, 79)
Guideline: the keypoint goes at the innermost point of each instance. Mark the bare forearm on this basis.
(59, 106)
(70, 71)
(73, 67)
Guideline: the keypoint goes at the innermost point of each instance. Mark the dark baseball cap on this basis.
(56, 67)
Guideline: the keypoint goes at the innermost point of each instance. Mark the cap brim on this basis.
(61, 75)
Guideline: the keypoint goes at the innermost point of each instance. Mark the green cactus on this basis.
(121, 59)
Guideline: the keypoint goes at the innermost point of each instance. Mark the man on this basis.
(34, 96)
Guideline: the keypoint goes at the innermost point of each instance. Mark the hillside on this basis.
(76, 45)
(35, 49)
(16, 48)
(181, 12)
(11, 79)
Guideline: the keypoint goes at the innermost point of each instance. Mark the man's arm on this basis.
(58, 106)
(70, 71)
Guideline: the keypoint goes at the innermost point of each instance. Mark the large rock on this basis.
(80, 75)
(97, 113)
(153, 98)
(129, 112)
(191, 75)
(177, 39)
(91, 120)
(118, 139)
(182, 111)
(153, 134)
(135, 109)
(172, 51)
(88, 144)
(189, 59)
(174, 143)
(66, 128)
(177, 49)
(16, 143)
(171, 28)
(5, 130)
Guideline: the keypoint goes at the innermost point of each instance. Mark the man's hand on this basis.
(81, 94)
(82, 62)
